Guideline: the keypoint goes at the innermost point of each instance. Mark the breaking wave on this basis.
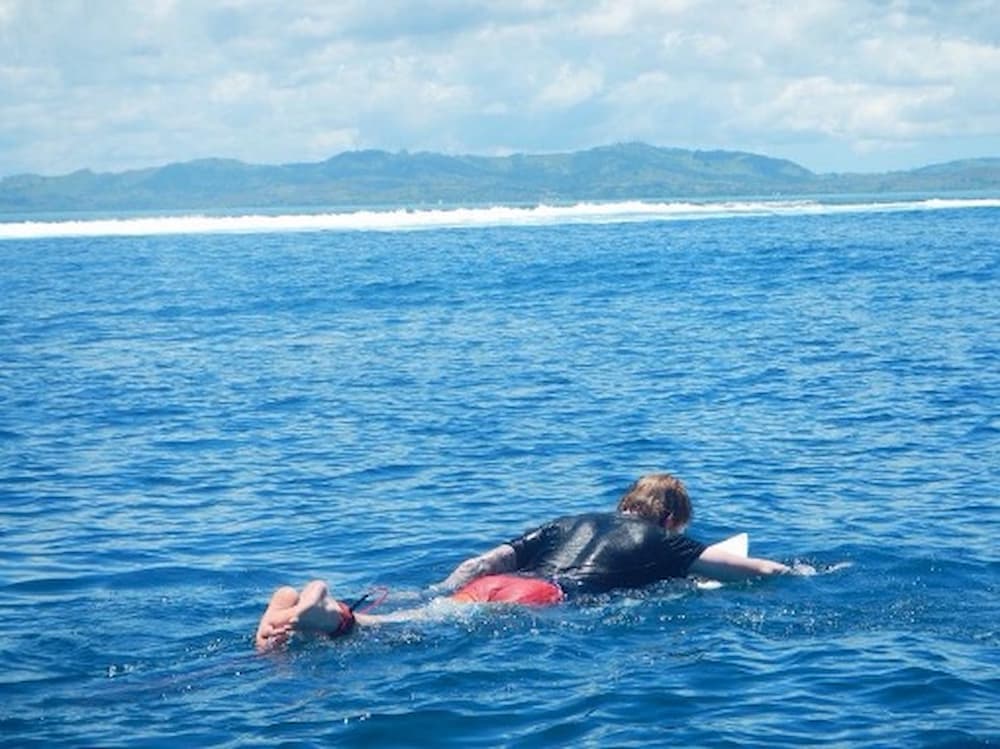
(405, 219)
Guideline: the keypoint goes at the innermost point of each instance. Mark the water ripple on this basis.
(191, 421)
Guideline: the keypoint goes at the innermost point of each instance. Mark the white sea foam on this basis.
(436, 218)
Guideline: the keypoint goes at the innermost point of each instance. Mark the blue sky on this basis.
(835, 85)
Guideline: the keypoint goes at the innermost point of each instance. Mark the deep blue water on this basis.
(187, 422)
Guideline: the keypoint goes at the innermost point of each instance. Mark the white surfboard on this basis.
(738, 545)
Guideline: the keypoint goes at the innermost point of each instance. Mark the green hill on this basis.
(372, 178)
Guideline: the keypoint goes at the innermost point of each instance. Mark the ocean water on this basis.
(193, 413)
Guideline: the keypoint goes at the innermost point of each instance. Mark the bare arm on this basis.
(721, 565)
(499, 559)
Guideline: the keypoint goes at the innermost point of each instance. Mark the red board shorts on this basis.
(509, 589)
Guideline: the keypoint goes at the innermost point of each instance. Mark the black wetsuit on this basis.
(603, 550)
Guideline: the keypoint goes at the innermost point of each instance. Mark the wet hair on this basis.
(656, 497)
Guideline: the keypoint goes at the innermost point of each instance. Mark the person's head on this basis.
(659, 498)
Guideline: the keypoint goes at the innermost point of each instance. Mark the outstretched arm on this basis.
(496, 560)
(717, 564)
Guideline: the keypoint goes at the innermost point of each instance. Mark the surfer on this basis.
(640, 543)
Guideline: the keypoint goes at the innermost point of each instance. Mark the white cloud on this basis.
(569, 86)
(235, 86)
(332, 141)
(118, 85)
(7, 9)
(624, 17)
(853, 110)
(930, 59)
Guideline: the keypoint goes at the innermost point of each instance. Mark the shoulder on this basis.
(680, 552)
(686, 544)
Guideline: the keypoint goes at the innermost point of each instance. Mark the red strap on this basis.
(346, 620)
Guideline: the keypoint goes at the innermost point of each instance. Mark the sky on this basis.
(834, 85)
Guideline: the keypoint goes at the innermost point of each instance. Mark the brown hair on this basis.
(659, 498)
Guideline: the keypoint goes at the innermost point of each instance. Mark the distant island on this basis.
(379, 178)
